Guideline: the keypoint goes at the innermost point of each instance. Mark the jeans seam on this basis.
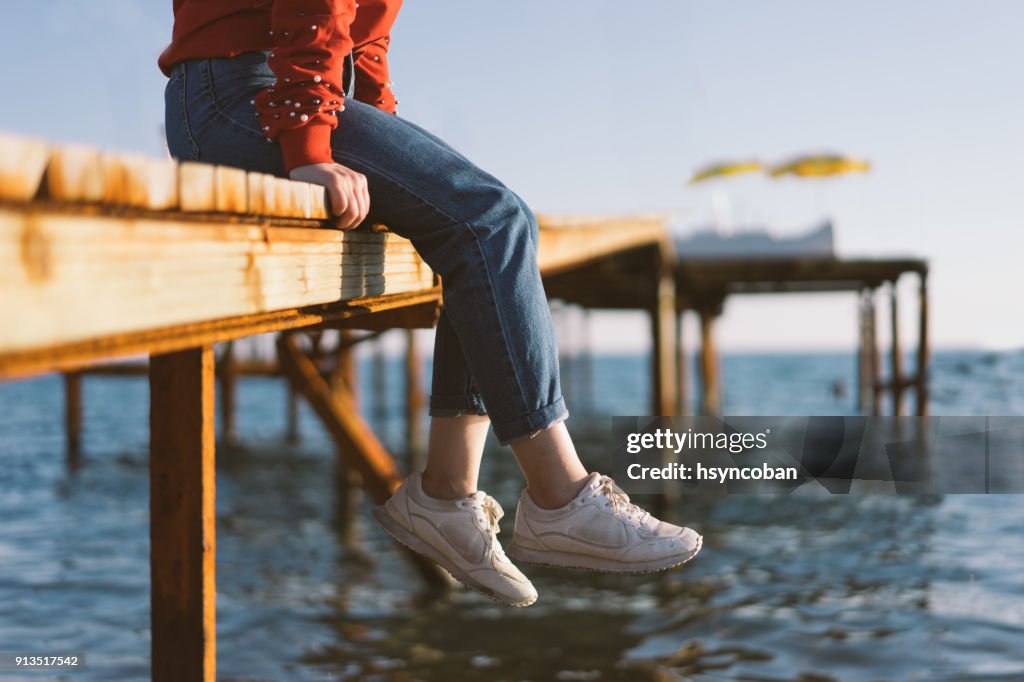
(220, 112)
(501, 324)
(487, 271)
(186, 124)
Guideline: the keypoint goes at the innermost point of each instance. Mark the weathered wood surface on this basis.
(572, 242)
(118, 253)
(22, 163)
(72, 277)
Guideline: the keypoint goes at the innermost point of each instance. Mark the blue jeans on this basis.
(495, 342)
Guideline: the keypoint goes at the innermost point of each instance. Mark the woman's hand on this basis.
(346, 190)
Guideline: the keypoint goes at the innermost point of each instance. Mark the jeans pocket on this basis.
(234, 82)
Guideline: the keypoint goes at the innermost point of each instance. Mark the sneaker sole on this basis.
(586, 563)
(399, 533)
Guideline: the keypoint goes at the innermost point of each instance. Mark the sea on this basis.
(853, 588)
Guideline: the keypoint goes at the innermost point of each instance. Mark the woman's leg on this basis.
(459, 422)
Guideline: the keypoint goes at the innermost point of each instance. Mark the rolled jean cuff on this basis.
(457, 405)
(531, 424)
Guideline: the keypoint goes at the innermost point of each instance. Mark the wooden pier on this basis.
(105, 256)
(704, 285)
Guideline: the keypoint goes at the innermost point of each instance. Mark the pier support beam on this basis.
(292, 411)
(682, 397)
(896, 367)
(662, 312)
(73, 419)
(344, 385)
(868, 381)
(359, 447)
(710, 382)
(357, 443)
(921, 380)
(228, 375)
(182, 522)
(414, 402)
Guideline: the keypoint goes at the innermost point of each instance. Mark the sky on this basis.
(601, 107)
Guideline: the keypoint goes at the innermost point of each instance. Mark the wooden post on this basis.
(228, 385)
(874, 364)
(348, 483)
(664, 373)
(292, 434)
(414, 401)
(896, 371)
(863, 359)
(357, 443)
(921, 379)
(182, 528)
(359, 447)
(868, 381)
(682, 406)
(345, 374)
(662, 312)
(73, 419)
(379, 380)
(710, 386)
(586, 364)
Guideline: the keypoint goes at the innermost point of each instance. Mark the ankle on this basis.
(555, 497)
(441, 488)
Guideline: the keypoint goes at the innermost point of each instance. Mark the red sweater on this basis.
(309, 40)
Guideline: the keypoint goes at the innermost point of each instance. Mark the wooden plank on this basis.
(75, 174)
(22, 164)
(356, 314)
(197, 187)
(139, 181)
(77, 277)
(182, 516)
(301, 199)
(281, 204)
(231, 190)
(255, 183)
(318, 206)
(564, 247)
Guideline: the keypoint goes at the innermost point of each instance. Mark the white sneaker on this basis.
(600, 530)
(460, 536)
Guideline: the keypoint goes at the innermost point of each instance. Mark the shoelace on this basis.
(620, 500)
(493, 513)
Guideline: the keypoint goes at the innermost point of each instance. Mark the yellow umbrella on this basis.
(820, 166)
(720, 170)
